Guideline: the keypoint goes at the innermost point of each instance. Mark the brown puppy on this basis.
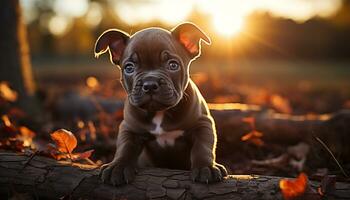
(166, 120)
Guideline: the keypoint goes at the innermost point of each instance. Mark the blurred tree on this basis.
(15, 66)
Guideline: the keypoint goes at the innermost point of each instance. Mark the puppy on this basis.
(167, 122)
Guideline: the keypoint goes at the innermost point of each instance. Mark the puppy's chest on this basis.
(164, 138)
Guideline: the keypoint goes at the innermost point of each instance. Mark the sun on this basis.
(228, 27)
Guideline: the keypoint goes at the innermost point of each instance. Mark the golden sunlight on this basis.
(228, 28)
(227, 17)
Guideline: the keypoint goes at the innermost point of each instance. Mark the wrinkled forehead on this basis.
(149, 44)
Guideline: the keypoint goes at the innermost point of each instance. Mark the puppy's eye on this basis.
(173, 65)
(129, 68)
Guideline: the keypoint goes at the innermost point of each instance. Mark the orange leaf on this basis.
(292, 189)
(51, 151)
(84, 155)
(250, 120)
(6, 121)
(281, 104)
(253, 137)
(65, 140)
(257, 141)
(7, 93)
(26, 132)
(26, 136)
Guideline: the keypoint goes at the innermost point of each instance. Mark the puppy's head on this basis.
(154, 62)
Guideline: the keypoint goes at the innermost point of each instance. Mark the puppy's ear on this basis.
(113, 40)
(190, 36)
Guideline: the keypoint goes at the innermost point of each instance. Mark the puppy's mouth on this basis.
(154, 102)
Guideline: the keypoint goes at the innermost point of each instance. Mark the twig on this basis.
(91, 162)
(330, 152)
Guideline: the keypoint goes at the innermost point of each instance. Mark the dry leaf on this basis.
(293, 189)
(249, 120)
(6, 120)
(51, 151)
(81, 156)
(7, 93)
(65, 140)
(253, 137)
(26, 136)
(65, 144)
(281, 104)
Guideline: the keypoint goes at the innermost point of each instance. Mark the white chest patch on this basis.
(164, 137)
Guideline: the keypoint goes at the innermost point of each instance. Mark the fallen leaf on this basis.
(281, 104)
(12, 144)
(65, 140)
(7, 93)
(81, 156)
(253, 137)
(9, 129)
(292, 189)
(6, 120)
(249, 120)
(26, 136)
(51, 151)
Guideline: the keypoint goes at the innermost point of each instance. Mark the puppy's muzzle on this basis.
(154, 91)
(150, 86)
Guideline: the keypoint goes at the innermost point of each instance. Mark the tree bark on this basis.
(15, 66)
(46, 178)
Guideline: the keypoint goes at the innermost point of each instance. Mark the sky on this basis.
(227, 16)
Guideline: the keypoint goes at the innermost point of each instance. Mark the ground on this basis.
(290, 87)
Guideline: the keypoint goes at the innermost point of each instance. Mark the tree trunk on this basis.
(46, 178)
(15, 66)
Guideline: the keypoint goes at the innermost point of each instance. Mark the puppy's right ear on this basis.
(113, 40)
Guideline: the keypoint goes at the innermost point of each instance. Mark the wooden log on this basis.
(45, 178)
(286, 129)
(277, 128)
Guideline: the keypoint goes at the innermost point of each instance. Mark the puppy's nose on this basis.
(150, 86)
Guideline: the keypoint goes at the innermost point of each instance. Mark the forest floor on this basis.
(300, 88)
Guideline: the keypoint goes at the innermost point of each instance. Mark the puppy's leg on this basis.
(123, 167)
(144, 160)
(204, 167)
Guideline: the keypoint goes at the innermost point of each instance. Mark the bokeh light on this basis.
(59, 25)
(227, 17)
(71, 8)
(94, 15)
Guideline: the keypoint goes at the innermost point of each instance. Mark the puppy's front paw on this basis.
(117, 173)
(208, 174)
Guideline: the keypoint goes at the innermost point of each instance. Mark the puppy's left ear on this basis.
(113, 40)
(190, 36)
